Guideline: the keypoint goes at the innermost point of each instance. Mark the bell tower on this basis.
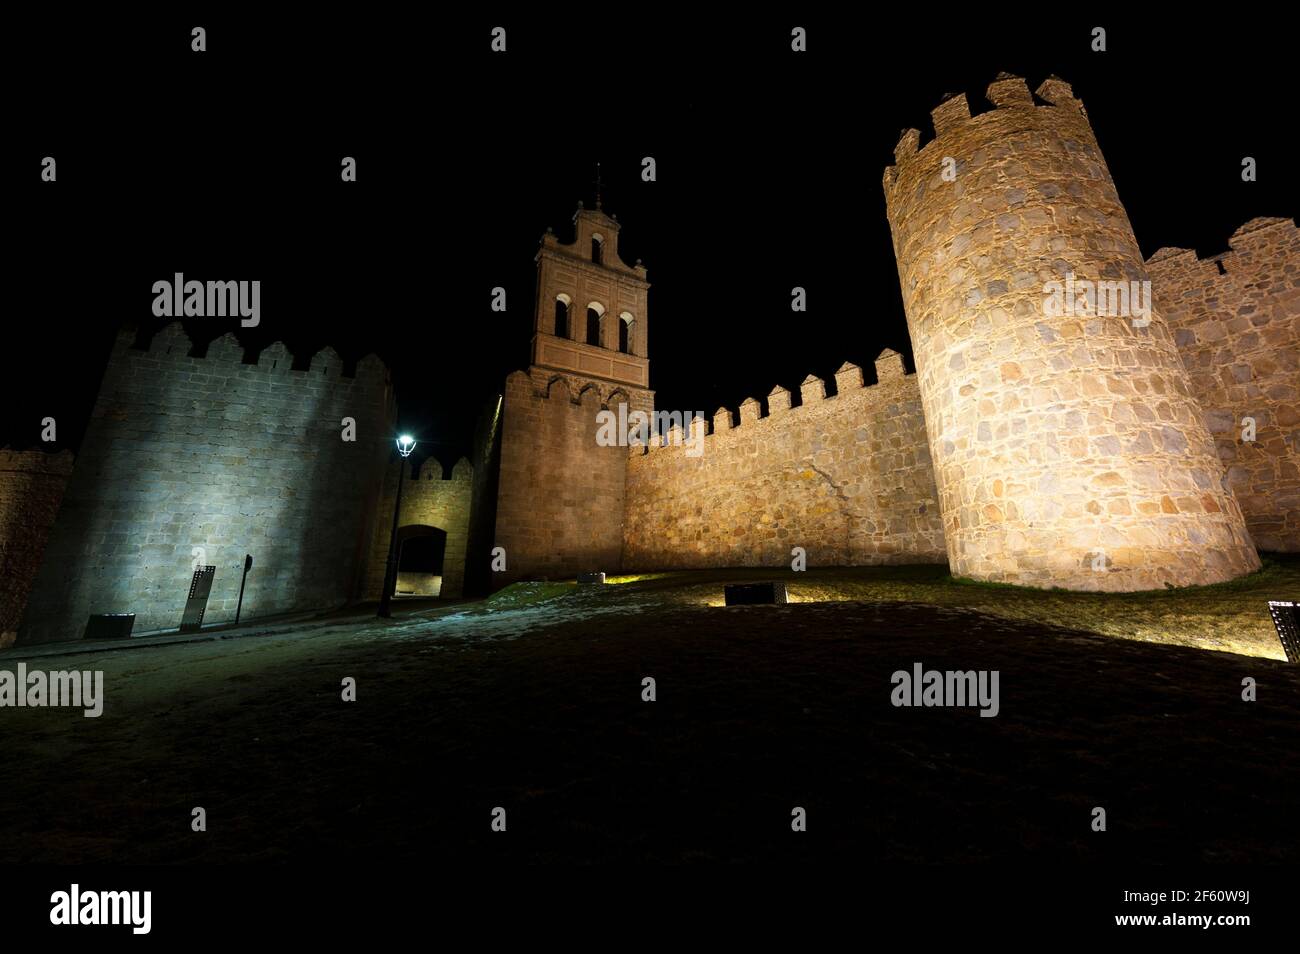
(591, 314)
(562, 481)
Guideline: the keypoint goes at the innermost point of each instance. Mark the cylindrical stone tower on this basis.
(1068, 449)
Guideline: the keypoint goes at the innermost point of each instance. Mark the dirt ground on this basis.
(532, 702)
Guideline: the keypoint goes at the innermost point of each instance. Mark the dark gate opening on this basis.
(420, 552)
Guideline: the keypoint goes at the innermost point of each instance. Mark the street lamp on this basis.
(405, 444)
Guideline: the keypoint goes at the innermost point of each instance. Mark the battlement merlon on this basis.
(778, 401)
(1259, 233)
(172, 340)
(1006, 93)
(433, 471)
(889, 369)
(811, 389)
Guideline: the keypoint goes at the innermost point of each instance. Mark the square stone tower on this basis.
(590, 321)
(560, 502)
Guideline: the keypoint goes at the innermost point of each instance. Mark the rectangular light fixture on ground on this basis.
(751, 594)
(1286, 617)
(109, 626)
(591, 577)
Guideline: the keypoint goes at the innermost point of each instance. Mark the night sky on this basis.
(225, 166)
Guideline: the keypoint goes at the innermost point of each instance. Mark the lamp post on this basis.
(248, 565)
(405, 444)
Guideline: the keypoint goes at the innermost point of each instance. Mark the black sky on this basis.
(224, 165)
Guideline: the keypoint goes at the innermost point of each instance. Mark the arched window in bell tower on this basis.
(594, 312)
(562, 316)
(597, 249)
(625, 333)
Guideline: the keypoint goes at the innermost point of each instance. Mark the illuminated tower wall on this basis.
(1236, 320)
(200, 460)
(1068, 449)
(560, 504)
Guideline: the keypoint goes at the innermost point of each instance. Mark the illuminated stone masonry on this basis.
(1056, 431)
(1068, 449)
(431, 501)
(560, 505)
(201, 460)
(847, 478)
(1078, 418)
(1236, 321)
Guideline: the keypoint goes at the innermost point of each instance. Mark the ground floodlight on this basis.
(750, 594)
